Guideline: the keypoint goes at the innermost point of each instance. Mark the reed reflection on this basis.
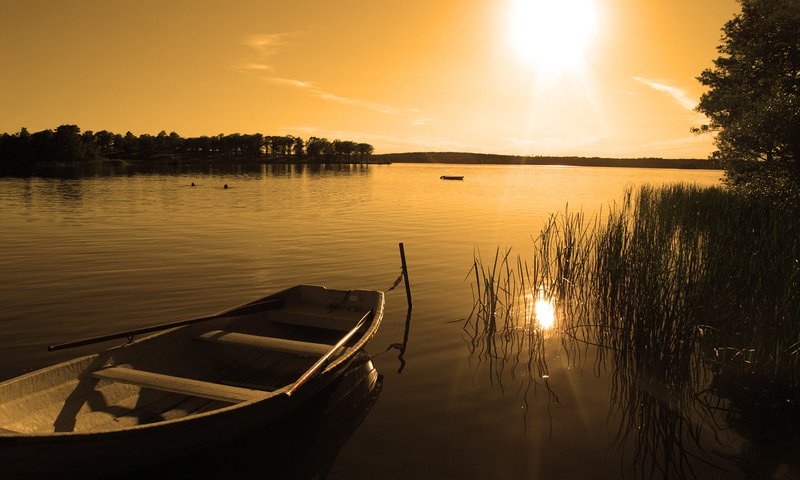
(665, 415)
(664, 412)
(655, 291)
(509, 330)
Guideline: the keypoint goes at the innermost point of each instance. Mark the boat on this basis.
(452, 177)
(317, 430)
(188, 387)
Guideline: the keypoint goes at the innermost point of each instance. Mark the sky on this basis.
(608, 78)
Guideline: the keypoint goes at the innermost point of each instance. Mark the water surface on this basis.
(87, 255)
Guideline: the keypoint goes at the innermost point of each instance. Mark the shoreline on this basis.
(496, 159)
(443, 158)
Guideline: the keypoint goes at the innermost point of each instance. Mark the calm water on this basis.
(87, 255)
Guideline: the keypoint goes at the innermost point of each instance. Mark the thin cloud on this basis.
(258, 67)
(690, 146)
(261, 48)
(675, 143)
(676, 93)
(545, 145)
(332, 97)
(268, 43)
(378, 107)
(292, 82)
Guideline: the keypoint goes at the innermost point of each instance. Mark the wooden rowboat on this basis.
(304, 443)
(452, 177)
(205, 381)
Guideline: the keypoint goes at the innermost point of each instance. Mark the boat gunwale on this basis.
(9, 437)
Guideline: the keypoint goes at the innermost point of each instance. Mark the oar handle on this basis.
(317, 367)
(245, 309)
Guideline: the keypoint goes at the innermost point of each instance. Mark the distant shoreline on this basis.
(494, 159)
(447, 158)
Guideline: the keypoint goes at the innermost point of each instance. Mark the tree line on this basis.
(68, 144)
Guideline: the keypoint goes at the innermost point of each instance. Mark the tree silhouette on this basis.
(753, 98)
(364, 150)
(298, 149)
(316, 149)
(68, 144)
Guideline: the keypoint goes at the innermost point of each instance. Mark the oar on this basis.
(245, 309)
(317, 367)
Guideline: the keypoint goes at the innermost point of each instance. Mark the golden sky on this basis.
(530, 77)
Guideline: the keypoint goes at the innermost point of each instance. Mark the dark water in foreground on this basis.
(84, 256)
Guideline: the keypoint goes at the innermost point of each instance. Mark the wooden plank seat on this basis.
(184, 386)
(296, 347)
(336, 318)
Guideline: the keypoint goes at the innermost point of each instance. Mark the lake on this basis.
(90, 253)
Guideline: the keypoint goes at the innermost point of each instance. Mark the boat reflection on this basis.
(303, 444)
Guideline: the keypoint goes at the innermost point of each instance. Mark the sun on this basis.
(552, 35)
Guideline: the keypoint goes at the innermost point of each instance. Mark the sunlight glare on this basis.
(545, 312)
(540, 311)
(552, 35)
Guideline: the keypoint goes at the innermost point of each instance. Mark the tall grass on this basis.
(683, 288)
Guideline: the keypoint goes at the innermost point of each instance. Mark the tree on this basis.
(753, 99)
(68, 145)
(104, 140)
(298, 149)
(344, 150)
(316, 148)
(364, 151)
(128, 143)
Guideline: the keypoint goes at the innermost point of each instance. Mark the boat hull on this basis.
(70, 421)
(93, 455)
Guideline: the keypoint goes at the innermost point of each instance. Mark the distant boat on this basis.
(200, 383)
(452, 177)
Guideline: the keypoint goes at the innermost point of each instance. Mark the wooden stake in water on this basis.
(405, 273)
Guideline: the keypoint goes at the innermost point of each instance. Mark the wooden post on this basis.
(405, 273)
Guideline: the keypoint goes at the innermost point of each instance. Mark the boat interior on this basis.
(193, 369)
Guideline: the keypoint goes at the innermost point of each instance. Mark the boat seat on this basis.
(296, 347)
(336, 318)
(184, 386)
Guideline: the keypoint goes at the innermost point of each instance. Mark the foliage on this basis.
(67, 144)
(753, 99)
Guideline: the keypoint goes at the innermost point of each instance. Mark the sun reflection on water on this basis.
(540, 311)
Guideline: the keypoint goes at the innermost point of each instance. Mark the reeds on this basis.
(665, 269)
(679, 286)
